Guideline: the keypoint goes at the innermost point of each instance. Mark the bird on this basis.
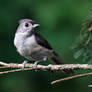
(33, 46)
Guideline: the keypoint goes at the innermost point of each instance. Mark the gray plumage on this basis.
(33, 46)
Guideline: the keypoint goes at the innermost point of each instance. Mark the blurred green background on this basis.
(60, 22)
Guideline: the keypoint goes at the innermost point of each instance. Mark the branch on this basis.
(18, 67)
(71, 77)
(49, 67)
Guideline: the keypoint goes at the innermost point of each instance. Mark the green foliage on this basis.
(60, 24)
(83, 46)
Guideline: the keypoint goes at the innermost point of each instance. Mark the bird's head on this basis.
(27, 26)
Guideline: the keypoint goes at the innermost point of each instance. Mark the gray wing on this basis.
(42, 41)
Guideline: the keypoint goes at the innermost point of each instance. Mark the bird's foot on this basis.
(37, 62)
(23, 64)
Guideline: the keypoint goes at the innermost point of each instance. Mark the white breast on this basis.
(23, 43)
(28, 47)
(19, 40)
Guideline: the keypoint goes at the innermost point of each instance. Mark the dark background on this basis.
(60, 22)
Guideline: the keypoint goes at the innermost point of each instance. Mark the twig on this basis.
(90, 86)
(15, 70)
(71, 77)
(28, 66)
(48, 67)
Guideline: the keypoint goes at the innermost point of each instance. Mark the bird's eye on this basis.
(26, 25)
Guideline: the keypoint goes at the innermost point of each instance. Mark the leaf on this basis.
(78, 53)
(83, 45)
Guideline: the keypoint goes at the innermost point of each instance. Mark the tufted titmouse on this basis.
(33, 46)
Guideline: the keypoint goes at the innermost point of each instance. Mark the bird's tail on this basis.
(56, 58)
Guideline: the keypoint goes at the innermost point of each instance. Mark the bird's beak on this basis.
(36, 25)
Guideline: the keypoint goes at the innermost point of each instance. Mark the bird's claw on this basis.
(23, 64)
(37, 62)
(35, 66)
